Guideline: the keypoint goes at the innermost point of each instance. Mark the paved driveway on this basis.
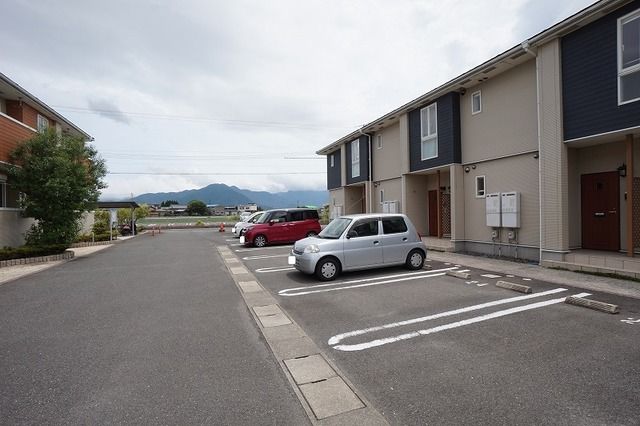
(426, 348)
(149, 331)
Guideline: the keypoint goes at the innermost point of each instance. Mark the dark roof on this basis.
(117, 204)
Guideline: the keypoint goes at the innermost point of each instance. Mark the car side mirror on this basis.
(272, 221)
(351, 234)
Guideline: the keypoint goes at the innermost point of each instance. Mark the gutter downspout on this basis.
(370, 207)
(527, 48)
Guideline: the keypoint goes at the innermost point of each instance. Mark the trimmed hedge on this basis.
(9, 253)
(87, 238)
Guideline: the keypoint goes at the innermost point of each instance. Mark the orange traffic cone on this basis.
(221, 228)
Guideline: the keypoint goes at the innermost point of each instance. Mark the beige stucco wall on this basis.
(336, 199)
(508, 122)
(13, 227)
(518, 173)
(392, 192)
(554, 167)
(386, 160)
(86, 222)
(417, 187)
(596, 159)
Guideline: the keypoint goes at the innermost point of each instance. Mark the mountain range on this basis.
(219, 193)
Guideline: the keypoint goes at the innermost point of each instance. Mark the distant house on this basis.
(22, 115)
(216, 209)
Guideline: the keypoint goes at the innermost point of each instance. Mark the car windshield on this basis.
(265, 217)
(335, 228)
(254, 217)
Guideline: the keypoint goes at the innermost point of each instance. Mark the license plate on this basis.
(242, 240)
(291, 260)
(233, 229)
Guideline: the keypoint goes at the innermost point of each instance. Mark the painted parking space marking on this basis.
(324, 288)
(274, 269)
(482, 284)
(526, 279)
(261, 248)
(379, 342)
(631, 321)
(510, 276)
(491, 276)
(264, 256)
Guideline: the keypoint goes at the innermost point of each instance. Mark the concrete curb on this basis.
(67, 255)
(328, 397)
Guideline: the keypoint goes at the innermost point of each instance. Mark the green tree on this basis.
(168, 203)
(60, 178)
(101, 221)
(124, 215)
(197, 208)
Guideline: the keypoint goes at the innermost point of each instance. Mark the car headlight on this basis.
(312, 248)
(248, 228)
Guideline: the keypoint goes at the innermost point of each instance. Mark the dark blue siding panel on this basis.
(364, 161)
(334, 179)
(590, 79)
(449, 147)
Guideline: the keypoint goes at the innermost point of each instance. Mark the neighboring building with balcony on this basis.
(21, 116)
(551, 124)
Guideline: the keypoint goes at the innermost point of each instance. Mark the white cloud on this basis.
(271, 78)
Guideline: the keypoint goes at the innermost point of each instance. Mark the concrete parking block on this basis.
(238, 270)
(309, 369)
(330, 397)
(249, 286)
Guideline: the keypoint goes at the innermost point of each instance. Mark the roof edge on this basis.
(584, 15)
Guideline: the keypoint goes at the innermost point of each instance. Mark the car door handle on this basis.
(404, 239)
(375, 243)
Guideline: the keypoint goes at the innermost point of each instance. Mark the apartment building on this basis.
(528, 155)
(21, 116)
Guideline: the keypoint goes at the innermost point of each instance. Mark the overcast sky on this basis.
(244, 92)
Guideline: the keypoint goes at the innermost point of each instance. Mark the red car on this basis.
(282, 226)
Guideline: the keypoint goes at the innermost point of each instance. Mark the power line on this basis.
(152, 115)
(216, 173)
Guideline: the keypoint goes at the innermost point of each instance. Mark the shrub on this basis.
(199, 224)
(87, 238)
(22, 252)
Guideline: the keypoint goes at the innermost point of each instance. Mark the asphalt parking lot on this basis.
(427, 348)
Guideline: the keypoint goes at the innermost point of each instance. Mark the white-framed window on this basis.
(476, 102)
(355, 158)
(43, 123)
(629, 58)
(332, 160)
(379, 141)
(480, 188)
(429, 132)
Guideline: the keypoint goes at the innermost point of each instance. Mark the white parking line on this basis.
(264, 256)
(406, 336)
(491, 276)
(367, 283)
(262, 248)
(274, 269)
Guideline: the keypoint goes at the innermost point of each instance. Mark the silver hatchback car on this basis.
(356, 242)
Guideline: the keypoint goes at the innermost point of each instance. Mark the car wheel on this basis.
(311, 234)
(327, 269)
(260, 241)
(415, 259)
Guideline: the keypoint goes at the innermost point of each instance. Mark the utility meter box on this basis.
(493, 210)
(510, 206)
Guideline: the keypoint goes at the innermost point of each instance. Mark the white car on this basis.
(355, 242)
(239, 228)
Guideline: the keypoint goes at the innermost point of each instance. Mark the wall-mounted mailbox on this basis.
(493, 210)
(510, 206)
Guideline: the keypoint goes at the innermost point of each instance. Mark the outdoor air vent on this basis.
(488, 70)
(465, 82)
(392, 117)
(517, 55)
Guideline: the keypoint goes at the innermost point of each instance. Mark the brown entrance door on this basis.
(601, 211)
(433, 213)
